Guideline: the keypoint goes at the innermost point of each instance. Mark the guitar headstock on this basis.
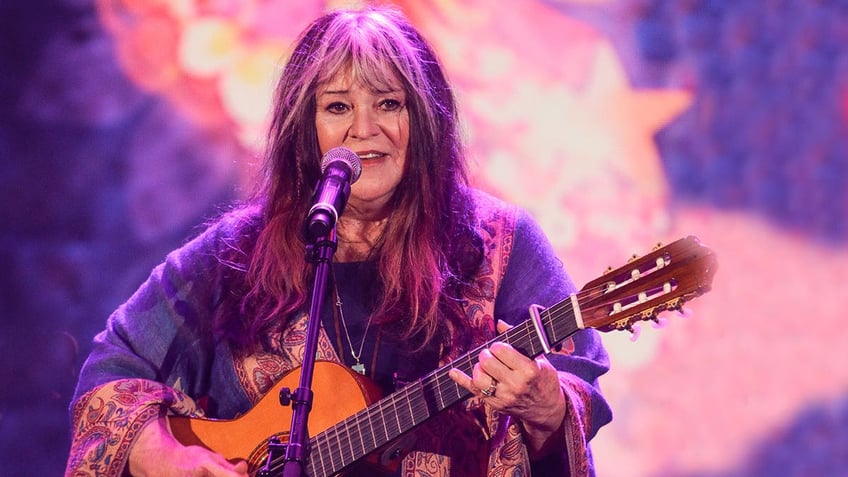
(661, 280)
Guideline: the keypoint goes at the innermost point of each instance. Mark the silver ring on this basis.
(490, 391)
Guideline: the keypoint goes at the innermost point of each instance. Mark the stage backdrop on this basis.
(618, 124)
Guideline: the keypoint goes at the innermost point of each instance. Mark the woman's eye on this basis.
(390, 105)
(336, 108)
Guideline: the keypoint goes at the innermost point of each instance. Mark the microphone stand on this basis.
(296, 451)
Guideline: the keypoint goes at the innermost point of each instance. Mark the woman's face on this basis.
(375, 125)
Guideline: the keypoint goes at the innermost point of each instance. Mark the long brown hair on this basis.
(429, 249)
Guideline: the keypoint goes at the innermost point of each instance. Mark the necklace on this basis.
(358, 367)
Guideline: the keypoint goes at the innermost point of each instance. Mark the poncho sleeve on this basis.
(155, 357)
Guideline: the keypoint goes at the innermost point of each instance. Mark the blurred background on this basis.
(124, 125)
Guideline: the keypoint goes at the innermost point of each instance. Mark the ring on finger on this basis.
(490, 391)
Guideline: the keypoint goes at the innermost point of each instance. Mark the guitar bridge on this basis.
(276, 452)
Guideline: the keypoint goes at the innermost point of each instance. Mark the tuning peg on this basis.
(659, 322)
(684, 312)
(633, 258)
(675, 305)
(635, 331)
(658, 246)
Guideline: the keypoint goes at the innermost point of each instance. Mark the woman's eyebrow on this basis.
(334, 91)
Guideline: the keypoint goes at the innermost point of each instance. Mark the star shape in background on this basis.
(585, 153)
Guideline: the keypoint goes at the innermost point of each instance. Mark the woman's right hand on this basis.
(156, 453)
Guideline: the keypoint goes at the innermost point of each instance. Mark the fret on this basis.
(406, 394)
(399, 410)
(361, 440)
(441, 395)
(354, 445)
(435, 390)
(335, 457)
(457, 390)
(349, 438)
(316, 453)
(417, 404)
(385, 430)
(343, 433)
(371, 434)
(396, 422)
(397, 416)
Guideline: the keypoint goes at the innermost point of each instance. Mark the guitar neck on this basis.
(385, 420)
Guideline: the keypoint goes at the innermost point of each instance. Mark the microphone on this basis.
(341, 167)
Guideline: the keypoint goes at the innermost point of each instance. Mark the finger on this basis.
(486, 383)
(463, 380)
(508, 356)
(227, 470)
(221, 467)
(503, 326)
(480, 378)
(491, 368)
(491, 364)
(241, 468)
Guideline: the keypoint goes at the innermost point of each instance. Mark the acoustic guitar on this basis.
(363, 427)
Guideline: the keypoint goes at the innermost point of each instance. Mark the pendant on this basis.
(359, 368)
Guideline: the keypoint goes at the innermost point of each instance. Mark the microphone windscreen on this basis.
(346, 156)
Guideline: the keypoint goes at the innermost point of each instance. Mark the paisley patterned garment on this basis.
(155, 357)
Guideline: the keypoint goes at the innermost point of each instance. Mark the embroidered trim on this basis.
(452, 440)
(107, 420)
(258, 373)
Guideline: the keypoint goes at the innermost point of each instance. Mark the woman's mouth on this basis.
(370, 155)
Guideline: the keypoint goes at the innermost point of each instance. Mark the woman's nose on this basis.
(364, 124)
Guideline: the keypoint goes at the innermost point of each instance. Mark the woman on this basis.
(426, 269)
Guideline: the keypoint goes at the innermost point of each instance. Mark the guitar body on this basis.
(338, 393)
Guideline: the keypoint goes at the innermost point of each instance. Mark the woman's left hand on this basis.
(528, 389)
